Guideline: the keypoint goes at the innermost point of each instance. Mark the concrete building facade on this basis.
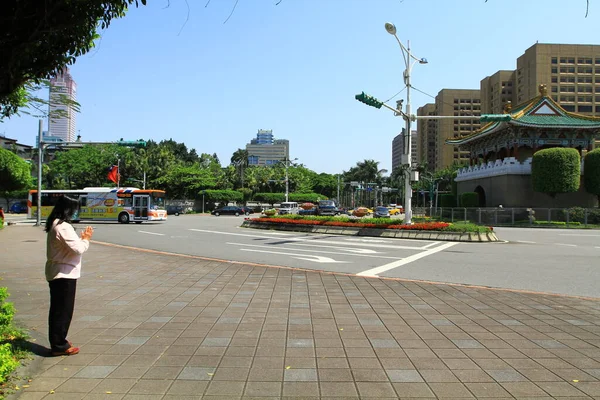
(398, 149)
(427, 133)
(62, 122)
(266, 150)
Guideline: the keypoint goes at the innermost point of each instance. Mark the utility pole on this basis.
(39, 182)
(338, 190)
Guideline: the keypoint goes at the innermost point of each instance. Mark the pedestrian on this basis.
(1, 215)
(64, 250)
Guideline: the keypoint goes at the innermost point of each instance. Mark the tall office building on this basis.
(427, 132)
(449, 102)
(265, 150)
(398, 149)
(570, 71)
(62, 126)
(497, 91)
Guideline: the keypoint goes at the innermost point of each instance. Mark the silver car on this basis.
(381, 212)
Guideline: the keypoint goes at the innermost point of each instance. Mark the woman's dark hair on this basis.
(63, 210)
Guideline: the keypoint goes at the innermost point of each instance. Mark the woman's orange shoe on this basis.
(71, 351)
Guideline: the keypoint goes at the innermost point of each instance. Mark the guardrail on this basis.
(498, 216)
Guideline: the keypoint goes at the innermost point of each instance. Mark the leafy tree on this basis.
(15, 173)
(222, 196)
(38, 38)
(591, 173)
(270, 198)
(184, 182)
(556, 170)
(79, 168)
(469, 199)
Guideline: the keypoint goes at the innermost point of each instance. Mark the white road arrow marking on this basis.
(311, 250)
(317, 239)
(319, 259)
(379, 270)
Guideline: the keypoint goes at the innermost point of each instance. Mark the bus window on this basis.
(158, 201)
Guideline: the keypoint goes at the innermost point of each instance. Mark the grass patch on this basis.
(12, 343)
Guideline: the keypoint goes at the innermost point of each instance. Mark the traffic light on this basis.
(368, 100)
(495, 117)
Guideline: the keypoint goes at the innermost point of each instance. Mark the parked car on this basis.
(18, 208)
(327, 207)
(230, 210)
(247, 210)
(381, 212)
(175, 210)
(310, 211)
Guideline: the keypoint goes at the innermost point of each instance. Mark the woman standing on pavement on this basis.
(64, 250)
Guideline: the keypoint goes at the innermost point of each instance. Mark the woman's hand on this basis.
(87, 233)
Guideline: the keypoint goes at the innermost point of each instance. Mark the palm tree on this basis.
(240, 160)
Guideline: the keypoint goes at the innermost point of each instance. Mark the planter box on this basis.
(374, 232)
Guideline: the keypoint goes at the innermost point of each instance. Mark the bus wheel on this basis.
(124, 218)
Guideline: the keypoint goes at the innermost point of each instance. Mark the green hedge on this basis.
(591, 172)
(447, 200)
(469, 199)
(556, 170)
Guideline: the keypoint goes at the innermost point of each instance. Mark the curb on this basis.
(475, 237)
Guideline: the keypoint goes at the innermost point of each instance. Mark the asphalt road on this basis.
(565, 261)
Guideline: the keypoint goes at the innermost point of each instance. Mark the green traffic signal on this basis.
(368, 100)
(495, 117)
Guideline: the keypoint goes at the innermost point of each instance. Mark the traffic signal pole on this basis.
(409, 61)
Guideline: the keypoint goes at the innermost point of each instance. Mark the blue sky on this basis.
(295, 68)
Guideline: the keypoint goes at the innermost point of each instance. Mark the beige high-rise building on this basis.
(427, 132)
(398, 149)
(570, 71)
(455, 102)
(496, 91)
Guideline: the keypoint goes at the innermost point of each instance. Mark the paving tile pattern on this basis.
(154, 326)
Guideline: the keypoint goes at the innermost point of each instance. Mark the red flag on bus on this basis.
(113, 173)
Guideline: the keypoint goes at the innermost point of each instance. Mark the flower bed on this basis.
(376, 223)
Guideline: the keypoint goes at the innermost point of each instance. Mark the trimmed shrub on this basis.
(447, 200)
(591, 173)
(577, 214)
(556, 170)
(307, 197)
(469, 199)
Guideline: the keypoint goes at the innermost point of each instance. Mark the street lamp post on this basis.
(408, 57)
(287, 181)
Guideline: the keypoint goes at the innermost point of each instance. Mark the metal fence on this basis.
(497, 216)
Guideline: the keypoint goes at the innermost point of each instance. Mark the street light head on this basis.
(390, 28)
(423, 61)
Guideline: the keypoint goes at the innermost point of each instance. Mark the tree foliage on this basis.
(469, 199)
(39, 37)
(15, 173)
(556, 170)
(591, 173)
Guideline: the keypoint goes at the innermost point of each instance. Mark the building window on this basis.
(555, 98)
(569, 108)
(553, 70)
(554, 79)
(554, 60)
(584, 60)
(567, 70)
(567, 89)
(584, 70)
(585, 89)
(554, 89)
(584, 108)
(584, 79)
(597, 108)
(570, 79)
